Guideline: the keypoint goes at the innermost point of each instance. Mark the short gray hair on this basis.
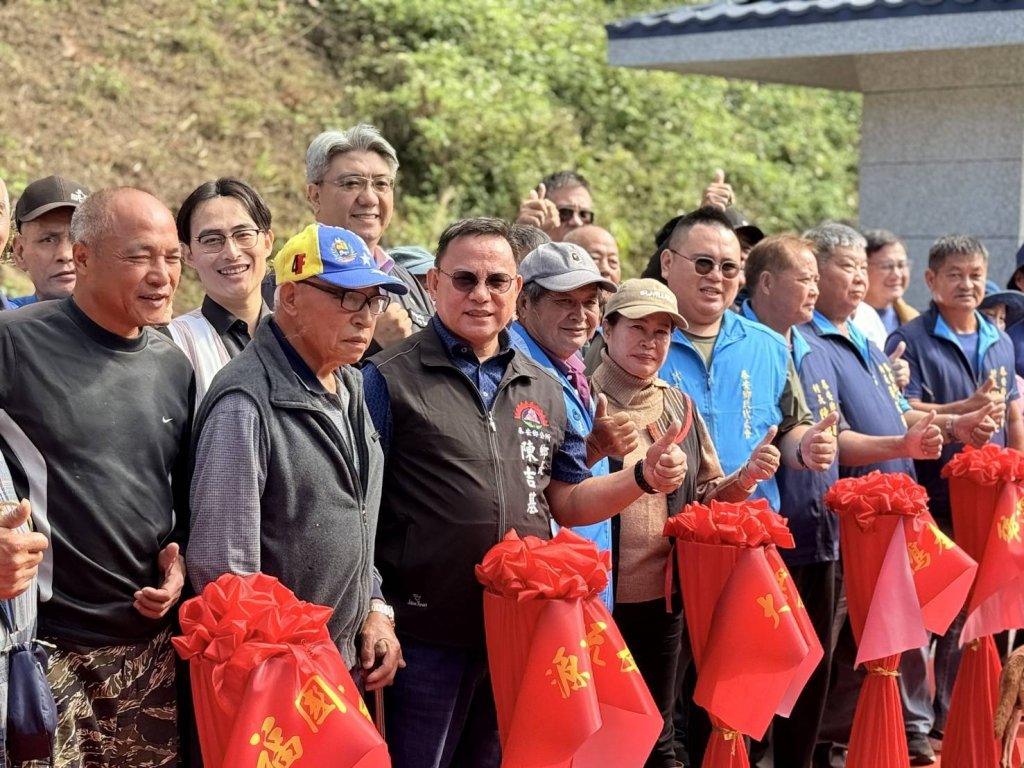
(92, 216)
(329, 144)
(829, 236)
(955, 245)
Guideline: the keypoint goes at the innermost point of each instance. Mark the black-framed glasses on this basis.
(214, 242)
(354, 301)
(703, 265)
(381, 185)
(565, 215)
(465, 281)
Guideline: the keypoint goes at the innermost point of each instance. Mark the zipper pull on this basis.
(491, 424)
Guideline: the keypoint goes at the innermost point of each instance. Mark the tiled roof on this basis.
(733, 15)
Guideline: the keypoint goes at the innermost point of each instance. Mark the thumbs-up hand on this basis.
(818, 444)
(665, 464)
(154, 602)
(538, 211)
(611, 435)
(20, 553)
(718, 193)
(764, 460)
(924, 439)
(977, 427)
(900, 367)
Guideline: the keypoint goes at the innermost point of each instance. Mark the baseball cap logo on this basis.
(342, 251)
(78, 196)
(298, 263)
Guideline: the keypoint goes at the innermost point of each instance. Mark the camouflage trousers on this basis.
(116, 705)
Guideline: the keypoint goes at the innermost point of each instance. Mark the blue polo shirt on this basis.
(941, 373)
(801, 492)
(581, 420)
(738, 395)
(869, 398)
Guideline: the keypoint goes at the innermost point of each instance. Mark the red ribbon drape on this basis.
(269, 685)
(986, 498)
(566, 689)
(747, 625)
(903, 578)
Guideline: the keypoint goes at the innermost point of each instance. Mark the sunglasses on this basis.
(565, 215)
(704, 265)
(465, 281)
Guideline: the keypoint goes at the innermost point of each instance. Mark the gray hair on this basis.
(955, 245)
(5, 200)
(829, 236)
(329, 144)
(878, 239)
(92, 216)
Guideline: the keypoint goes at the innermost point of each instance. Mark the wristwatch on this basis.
(379, 606)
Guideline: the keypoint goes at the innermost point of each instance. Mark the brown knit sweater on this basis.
(642, 547)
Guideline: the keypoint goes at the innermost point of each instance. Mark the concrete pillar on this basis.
(942, 151)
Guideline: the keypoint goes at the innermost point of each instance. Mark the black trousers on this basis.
(793, 737)
(654, 636)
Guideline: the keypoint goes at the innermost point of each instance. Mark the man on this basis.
(959, 361)
(560, 203)
(309, 521)
(888, 277)
(868, 394)
(738, 373)
(601, 245)
(42, 247)
(350, 183)
(108, 479)
(557, 313)
(500, 456)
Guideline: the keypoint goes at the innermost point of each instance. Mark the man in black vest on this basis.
(476, 442)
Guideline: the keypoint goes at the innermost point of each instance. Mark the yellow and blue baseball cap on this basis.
(336, 256)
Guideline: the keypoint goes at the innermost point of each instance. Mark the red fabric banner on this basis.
(902, 577)
(269, 685)
(566, 689)
(970, 738)
(748, 627)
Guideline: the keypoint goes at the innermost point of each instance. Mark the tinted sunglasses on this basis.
(465, 281)
(703, 265)
(565, 215)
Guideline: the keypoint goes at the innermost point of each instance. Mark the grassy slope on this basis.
(163, 96)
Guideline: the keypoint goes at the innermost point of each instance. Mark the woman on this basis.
(638, 324)
(224, 228)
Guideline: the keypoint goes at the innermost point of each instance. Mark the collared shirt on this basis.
(22, 301)
(569, 464)
(233, 331)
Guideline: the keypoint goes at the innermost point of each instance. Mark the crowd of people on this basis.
(365, 424)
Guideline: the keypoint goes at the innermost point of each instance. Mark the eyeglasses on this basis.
(355, 185)
(565, 215)
(465, 281)
(892, 266)
(354, 301)
(214, 242)
(703, 265)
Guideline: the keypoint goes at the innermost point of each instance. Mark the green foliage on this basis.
(482, 98)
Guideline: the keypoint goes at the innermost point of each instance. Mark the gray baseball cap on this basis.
(562, 267)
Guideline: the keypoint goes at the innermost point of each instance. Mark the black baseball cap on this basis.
(45, 195)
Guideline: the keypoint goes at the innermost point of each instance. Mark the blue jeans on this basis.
(440, 711)
(918, 716)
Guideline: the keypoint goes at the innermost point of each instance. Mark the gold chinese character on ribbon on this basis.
(275, 751)
(566, 673)
(1008, 527)
(626, 657)
(768, 604)
(918, 557)
(316, 701)
(942, 541)
(594, 641)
